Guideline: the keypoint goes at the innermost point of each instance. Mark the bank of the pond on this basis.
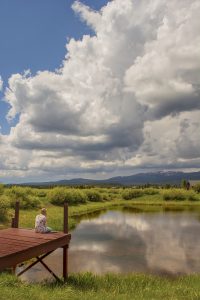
(146, 203)
(118, 287)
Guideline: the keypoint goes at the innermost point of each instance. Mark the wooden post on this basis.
(15, 219)
(65, 248)
(65, 226)
(16, 223)
(13, 222)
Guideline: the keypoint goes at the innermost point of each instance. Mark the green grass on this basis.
(109, 286)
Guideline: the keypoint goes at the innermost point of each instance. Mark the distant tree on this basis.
(183, 183)
(187, 185)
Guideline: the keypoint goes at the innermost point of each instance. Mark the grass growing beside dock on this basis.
(107, 287)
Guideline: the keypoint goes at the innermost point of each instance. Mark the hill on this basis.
(160, 178)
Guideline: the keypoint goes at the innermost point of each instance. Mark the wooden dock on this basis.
(18, 245)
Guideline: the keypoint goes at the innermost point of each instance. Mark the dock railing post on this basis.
(15, 224)
(65, 248)
(15, 219)
(17, 214)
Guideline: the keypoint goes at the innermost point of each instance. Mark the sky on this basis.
(96, 89)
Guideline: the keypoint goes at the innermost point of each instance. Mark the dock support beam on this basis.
(65, 248)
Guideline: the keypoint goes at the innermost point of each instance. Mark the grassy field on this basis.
(88, 286)
(112, 287)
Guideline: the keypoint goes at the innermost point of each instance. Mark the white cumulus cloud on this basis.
(127, 97)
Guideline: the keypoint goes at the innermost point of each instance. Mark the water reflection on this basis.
(123, 242)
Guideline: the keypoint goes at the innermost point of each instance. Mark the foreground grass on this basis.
(88, 286)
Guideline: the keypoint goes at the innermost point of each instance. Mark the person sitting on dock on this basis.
(40, 222)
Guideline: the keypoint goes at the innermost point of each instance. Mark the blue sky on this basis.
(33, 36)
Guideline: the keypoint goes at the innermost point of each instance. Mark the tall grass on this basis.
(107, 287)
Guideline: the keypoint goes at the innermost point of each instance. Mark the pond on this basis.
(124, 241)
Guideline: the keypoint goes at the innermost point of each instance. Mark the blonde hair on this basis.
(43, 211)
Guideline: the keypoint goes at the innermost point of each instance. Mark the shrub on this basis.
(59, 195)
(24, 195)
(132, 193)
(18, 192)
(29, 202)
(107, 197)
(93, 195)
(176, 195)
(4, 205)
(197, 188)
(192, 196)
(151, 191)
(180, 195)
(41, 193)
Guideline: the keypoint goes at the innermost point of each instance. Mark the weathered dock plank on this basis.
(18, 245)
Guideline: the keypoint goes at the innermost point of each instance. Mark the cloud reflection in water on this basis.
(122, 242)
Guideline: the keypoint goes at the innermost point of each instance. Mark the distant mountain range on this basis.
(159, 178)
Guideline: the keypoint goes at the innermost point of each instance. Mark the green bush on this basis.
(180, 195)
(18, 193)
(93, 195)
(107, 197)
(192, 196)
(24, 195)
(197, 188)
(114, 191)
(151, 191)
(59, 195)
(41, 193)
(4, 205)
(132, 193)
(28, 202)
(174, 195)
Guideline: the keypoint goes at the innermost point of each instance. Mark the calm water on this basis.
(124, 241)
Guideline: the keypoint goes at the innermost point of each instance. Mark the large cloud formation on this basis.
(126, 98)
